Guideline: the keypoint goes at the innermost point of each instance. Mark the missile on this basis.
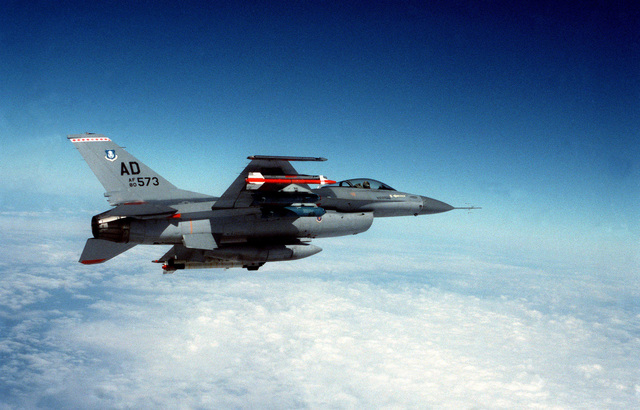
(255, 180)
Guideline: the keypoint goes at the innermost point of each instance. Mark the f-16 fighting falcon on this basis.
(268, 214)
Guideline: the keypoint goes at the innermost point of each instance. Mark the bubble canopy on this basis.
(363, 183)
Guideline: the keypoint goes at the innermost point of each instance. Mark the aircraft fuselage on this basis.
(268, 214)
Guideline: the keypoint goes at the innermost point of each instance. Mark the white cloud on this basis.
(403, 329)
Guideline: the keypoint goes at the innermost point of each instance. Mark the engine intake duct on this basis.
(111, 228)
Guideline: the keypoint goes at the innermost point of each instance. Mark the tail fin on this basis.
(123, 176)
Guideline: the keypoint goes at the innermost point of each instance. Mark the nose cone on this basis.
(433, 206)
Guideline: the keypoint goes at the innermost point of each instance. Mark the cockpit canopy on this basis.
(363, 183)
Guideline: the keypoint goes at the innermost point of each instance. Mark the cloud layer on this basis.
(450, 330)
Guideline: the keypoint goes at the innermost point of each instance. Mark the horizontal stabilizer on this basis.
(99, 250)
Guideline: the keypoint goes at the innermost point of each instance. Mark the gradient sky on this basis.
(530, 110)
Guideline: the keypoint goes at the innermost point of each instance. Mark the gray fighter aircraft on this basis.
(268, 214)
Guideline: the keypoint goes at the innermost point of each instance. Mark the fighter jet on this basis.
(268, 214)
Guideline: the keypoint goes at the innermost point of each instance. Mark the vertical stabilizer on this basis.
(123, 176)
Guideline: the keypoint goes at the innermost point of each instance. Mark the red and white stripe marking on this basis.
(94, 139)
(255, 180)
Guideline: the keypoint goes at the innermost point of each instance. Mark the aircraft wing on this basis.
(267, 174)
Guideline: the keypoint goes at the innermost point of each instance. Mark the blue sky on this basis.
(529, 110)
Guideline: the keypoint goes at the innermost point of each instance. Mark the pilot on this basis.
(366, 185)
